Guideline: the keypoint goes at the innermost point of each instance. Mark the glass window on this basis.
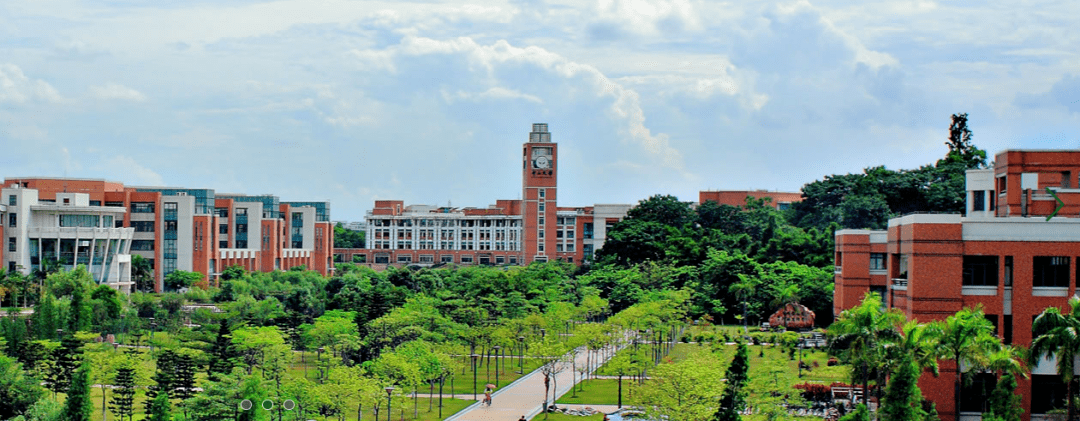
(85, 221)
(241, 244)
(877, 261)
(170, 225)
(107, 221)
(12, 200)
(980, 271)
(446, 258)
(142, 207)
(143, 226)
(978, 202)
(1047, 393)
(541, 207)
(11, 243)
(11, 220)
(542, 192)
(143, 245)
(1050, 271)
(223, 229)
(223, 244)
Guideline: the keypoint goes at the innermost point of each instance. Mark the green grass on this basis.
(597, 392)
(555, 416)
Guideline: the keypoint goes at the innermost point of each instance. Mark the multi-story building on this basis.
(1012, 252)
(778, 200)
(510, 232)
(67, 229)
(201, 231)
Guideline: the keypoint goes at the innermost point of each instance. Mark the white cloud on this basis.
(117, 91)
(131, 171)
(644, 18)
(16, 87)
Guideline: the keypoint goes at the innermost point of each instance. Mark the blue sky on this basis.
(428, 102)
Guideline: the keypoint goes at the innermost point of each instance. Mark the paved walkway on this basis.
(525, 396)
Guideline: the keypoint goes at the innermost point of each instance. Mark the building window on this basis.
(990, 193)
(85, 221)
(404, 258)
(558, 247)
(500, 260)
(587, 230)
(11, 243)
(569, 234)
(427, 258)
(541, 234)
(839, 259)
(223, 229)
(142, 207)
(980, 271)
(975, 394)
(1047, 393)
(979, 202)
(558, 234)
(1050, 271)
(223, 244)
(541, 220)
(142, 245)
(11, 200)
(241, 244)
(1066, 180)
(877, 261)
(540, 248)
(542, 192)
(466, 259)
(143, 226)
(541, 207)
(12, 220)
(513, 260)
(570, 247)
(170, 225)
(359, 258)
(446, 258)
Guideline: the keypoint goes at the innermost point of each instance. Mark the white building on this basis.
(69, 230)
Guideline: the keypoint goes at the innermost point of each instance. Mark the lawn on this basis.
(597, 392)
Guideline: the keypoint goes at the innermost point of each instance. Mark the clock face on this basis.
(542, 162)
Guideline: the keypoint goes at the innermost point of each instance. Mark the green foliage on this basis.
(178, 279)
(1057, 333)
(733, 399)
(42, 410)
(122, 404)
(903, 399)
(223, 354)
(159, 408)
(859, 414)
(347, 239)
(142, 272)
(1004, 402)
(859, 336)
(18, 392)
(78, 407)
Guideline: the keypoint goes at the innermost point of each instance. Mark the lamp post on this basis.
(521, 355)
(497, 348)
(389, 390)
(474, 358)
(319, 363)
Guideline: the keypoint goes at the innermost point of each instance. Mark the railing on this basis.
(900, 282)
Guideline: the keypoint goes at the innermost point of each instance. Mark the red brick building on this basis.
(1003, 254)
(778, 200)
(510, 232)
(200, 230)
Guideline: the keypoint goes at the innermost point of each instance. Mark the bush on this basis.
(686, 338)
(832, 361)
(815, 392)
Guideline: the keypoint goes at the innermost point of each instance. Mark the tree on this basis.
(1058, 334)
(68, 358)
(222, 353)
(159, 408)
(859, 335)
(662, 209)
(164, 378)
(18, 392)
(1004, 402)
(685, 390)
(859, 414)
(969, 337)
(903, 400)
(734, 398)
(178, 279)
(123, 401)
(552, 356)
(142, 272)
(78, 407)
(744, 289)
(183, 386)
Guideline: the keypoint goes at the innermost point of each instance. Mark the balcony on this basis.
(899, 284)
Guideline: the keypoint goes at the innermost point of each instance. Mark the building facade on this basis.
(201, 231)
(68, 230)
(1014, 252)
(510, 232)
(778, 200)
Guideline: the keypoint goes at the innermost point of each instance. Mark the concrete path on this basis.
(525, 396)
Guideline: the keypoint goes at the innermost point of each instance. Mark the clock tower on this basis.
(540, 168)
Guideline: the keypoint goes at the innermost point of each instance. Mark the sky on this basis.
(430, 101)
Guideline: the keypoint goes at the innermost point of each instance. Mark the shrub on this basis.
(816, 392)
(832, 361)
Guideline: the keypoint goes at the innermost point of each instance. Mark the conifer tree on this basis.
(68, 358)
(1004, 402)
(222, 353)
(903, 400)
(78, 407)
(159, 408)
(79, 313)
(164, 378)
(183, 384)
(734, 397)
(123, 401)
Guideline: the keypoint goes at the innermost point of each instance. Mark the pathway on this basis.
(524, 396)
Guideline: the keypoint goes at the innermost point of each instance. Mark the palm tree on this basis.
(918, 344)
(860, 335)
(744, 289)
(969, 337)
(1059, 334)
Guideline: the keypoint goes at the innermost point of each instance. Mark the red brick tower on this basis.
(539, 160)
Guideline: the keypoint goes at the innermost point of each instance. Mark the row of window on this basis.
(430, 258)
(446, 223)
(1047, 271)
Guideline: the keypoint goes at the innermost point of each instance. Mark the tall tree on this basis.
(967, 337)
(734, 398)
(159, 408)
(164, 378)
(222, 353)
(860, 334)
(1058, 335)
(903, 400)
(123, 401)
(78, 407)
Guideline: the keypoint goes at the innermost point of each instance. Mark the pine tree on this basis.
(78, 407)
(902, 396)
(159, 408)
(164, 377)
(123, 401)
(45, 317)
(183, 385)
(734, 398)
(68, 359)
(222, 353)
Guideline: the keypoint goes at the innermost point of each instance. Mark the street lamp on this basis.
(497, 348)
(474, 358)
(389, 390)
(521, 355)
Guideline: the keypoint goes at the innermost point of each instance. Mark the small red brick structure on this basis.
(793, 316)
